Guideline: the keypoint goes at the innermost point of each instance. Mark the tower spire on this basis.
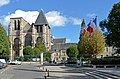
(41, 19)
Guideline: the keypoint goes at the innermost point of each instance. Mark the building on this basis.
(59, 48)
(108, 51)
(22, 34)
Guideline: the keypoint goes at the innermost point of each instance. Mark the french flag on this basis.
(95, 21)
(84, 31)
(90, 28)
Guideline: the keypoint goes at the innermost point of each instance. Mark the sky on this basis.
(64, 16)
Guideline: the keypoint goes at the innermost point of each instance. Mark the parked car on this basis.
(4, 63)
(1, 65)
(14, 62)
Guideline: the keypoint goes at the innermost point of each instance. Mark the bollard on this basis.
(46, 70)
(45, 75)
(48, 73)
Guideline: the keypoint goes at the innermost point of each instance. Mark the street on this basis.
(33, 71)
(24, 71)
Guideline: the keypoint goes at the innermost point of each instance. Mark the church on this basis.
(22, 34)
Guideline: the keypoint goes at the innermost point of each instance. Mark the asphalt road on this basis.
(24, 71)
(32, 71)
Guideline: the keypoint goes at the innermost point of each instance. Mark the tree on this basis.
(72, 53)
(4, 42)
(47, 56)
(89, 46)
(28, 53)
(41, 47)
(36, 52)
(111, 27)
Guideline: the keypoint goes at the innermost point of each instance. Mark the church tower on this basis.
(42, 31)
(22, 34)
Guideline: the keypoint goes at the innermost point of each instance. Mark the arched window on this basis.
(28, 40)
(16, 46)
(39, 40)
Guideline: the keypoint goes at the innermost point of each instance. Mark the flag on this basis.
(83, 28)
(90, 28)
(83, 32)
(95, 22)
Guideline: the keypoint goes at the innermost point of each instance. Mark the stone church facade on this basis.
(22, 34)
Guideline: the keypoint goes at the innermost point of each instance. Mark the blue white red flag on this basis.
(90, 28)
(95, 21)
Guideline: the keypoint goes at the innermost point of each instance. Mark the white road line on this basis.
(5, 69)
(94, 76)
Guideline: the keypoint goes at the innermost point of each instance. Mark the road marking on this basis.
(5, 69)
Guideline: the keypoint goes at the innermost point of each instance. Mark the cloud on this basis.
(55, 18)
(75, 21)
(91, 15)
(29, 16)
(68, 40)
(4, 2)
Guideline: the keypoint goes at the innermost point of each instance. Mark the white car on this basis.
(4, 62)
(15, 62)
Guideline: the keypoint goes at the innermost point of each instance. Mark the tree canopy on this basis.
(111, 27)
(91, 45)
(28, 51)
(72, 51)
(41, 47)
(4, 42)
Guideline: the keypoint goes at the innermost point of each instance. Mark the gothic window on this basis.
(15, 24)
(16, 46)
(37, 29)
(39, 40)
(41, 29)
(18, 25)
(28, 40)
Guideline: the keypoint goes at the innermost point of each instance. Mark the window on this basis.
(41, 29)
(18, 25)
(37, 29)
(15, 24)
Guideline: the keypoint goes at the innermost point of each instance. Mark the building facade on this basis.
(59, 48)
(22, 34)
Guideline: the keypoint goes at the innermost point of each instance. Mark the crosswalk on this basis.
(101, 75)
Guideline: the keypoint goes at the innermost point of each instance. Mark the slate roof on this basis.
(41, 19)
(59, 40)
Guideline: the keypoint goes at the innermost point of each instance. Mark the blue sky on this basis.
(64, 16)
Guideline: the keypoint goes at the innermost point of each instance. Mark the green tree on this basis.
(88, 46)
(4, 42)
(47, 56)
(111, 27)
(41, 47)
(84, 45)
(28, 53)
(72, 53)
(36, 52)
